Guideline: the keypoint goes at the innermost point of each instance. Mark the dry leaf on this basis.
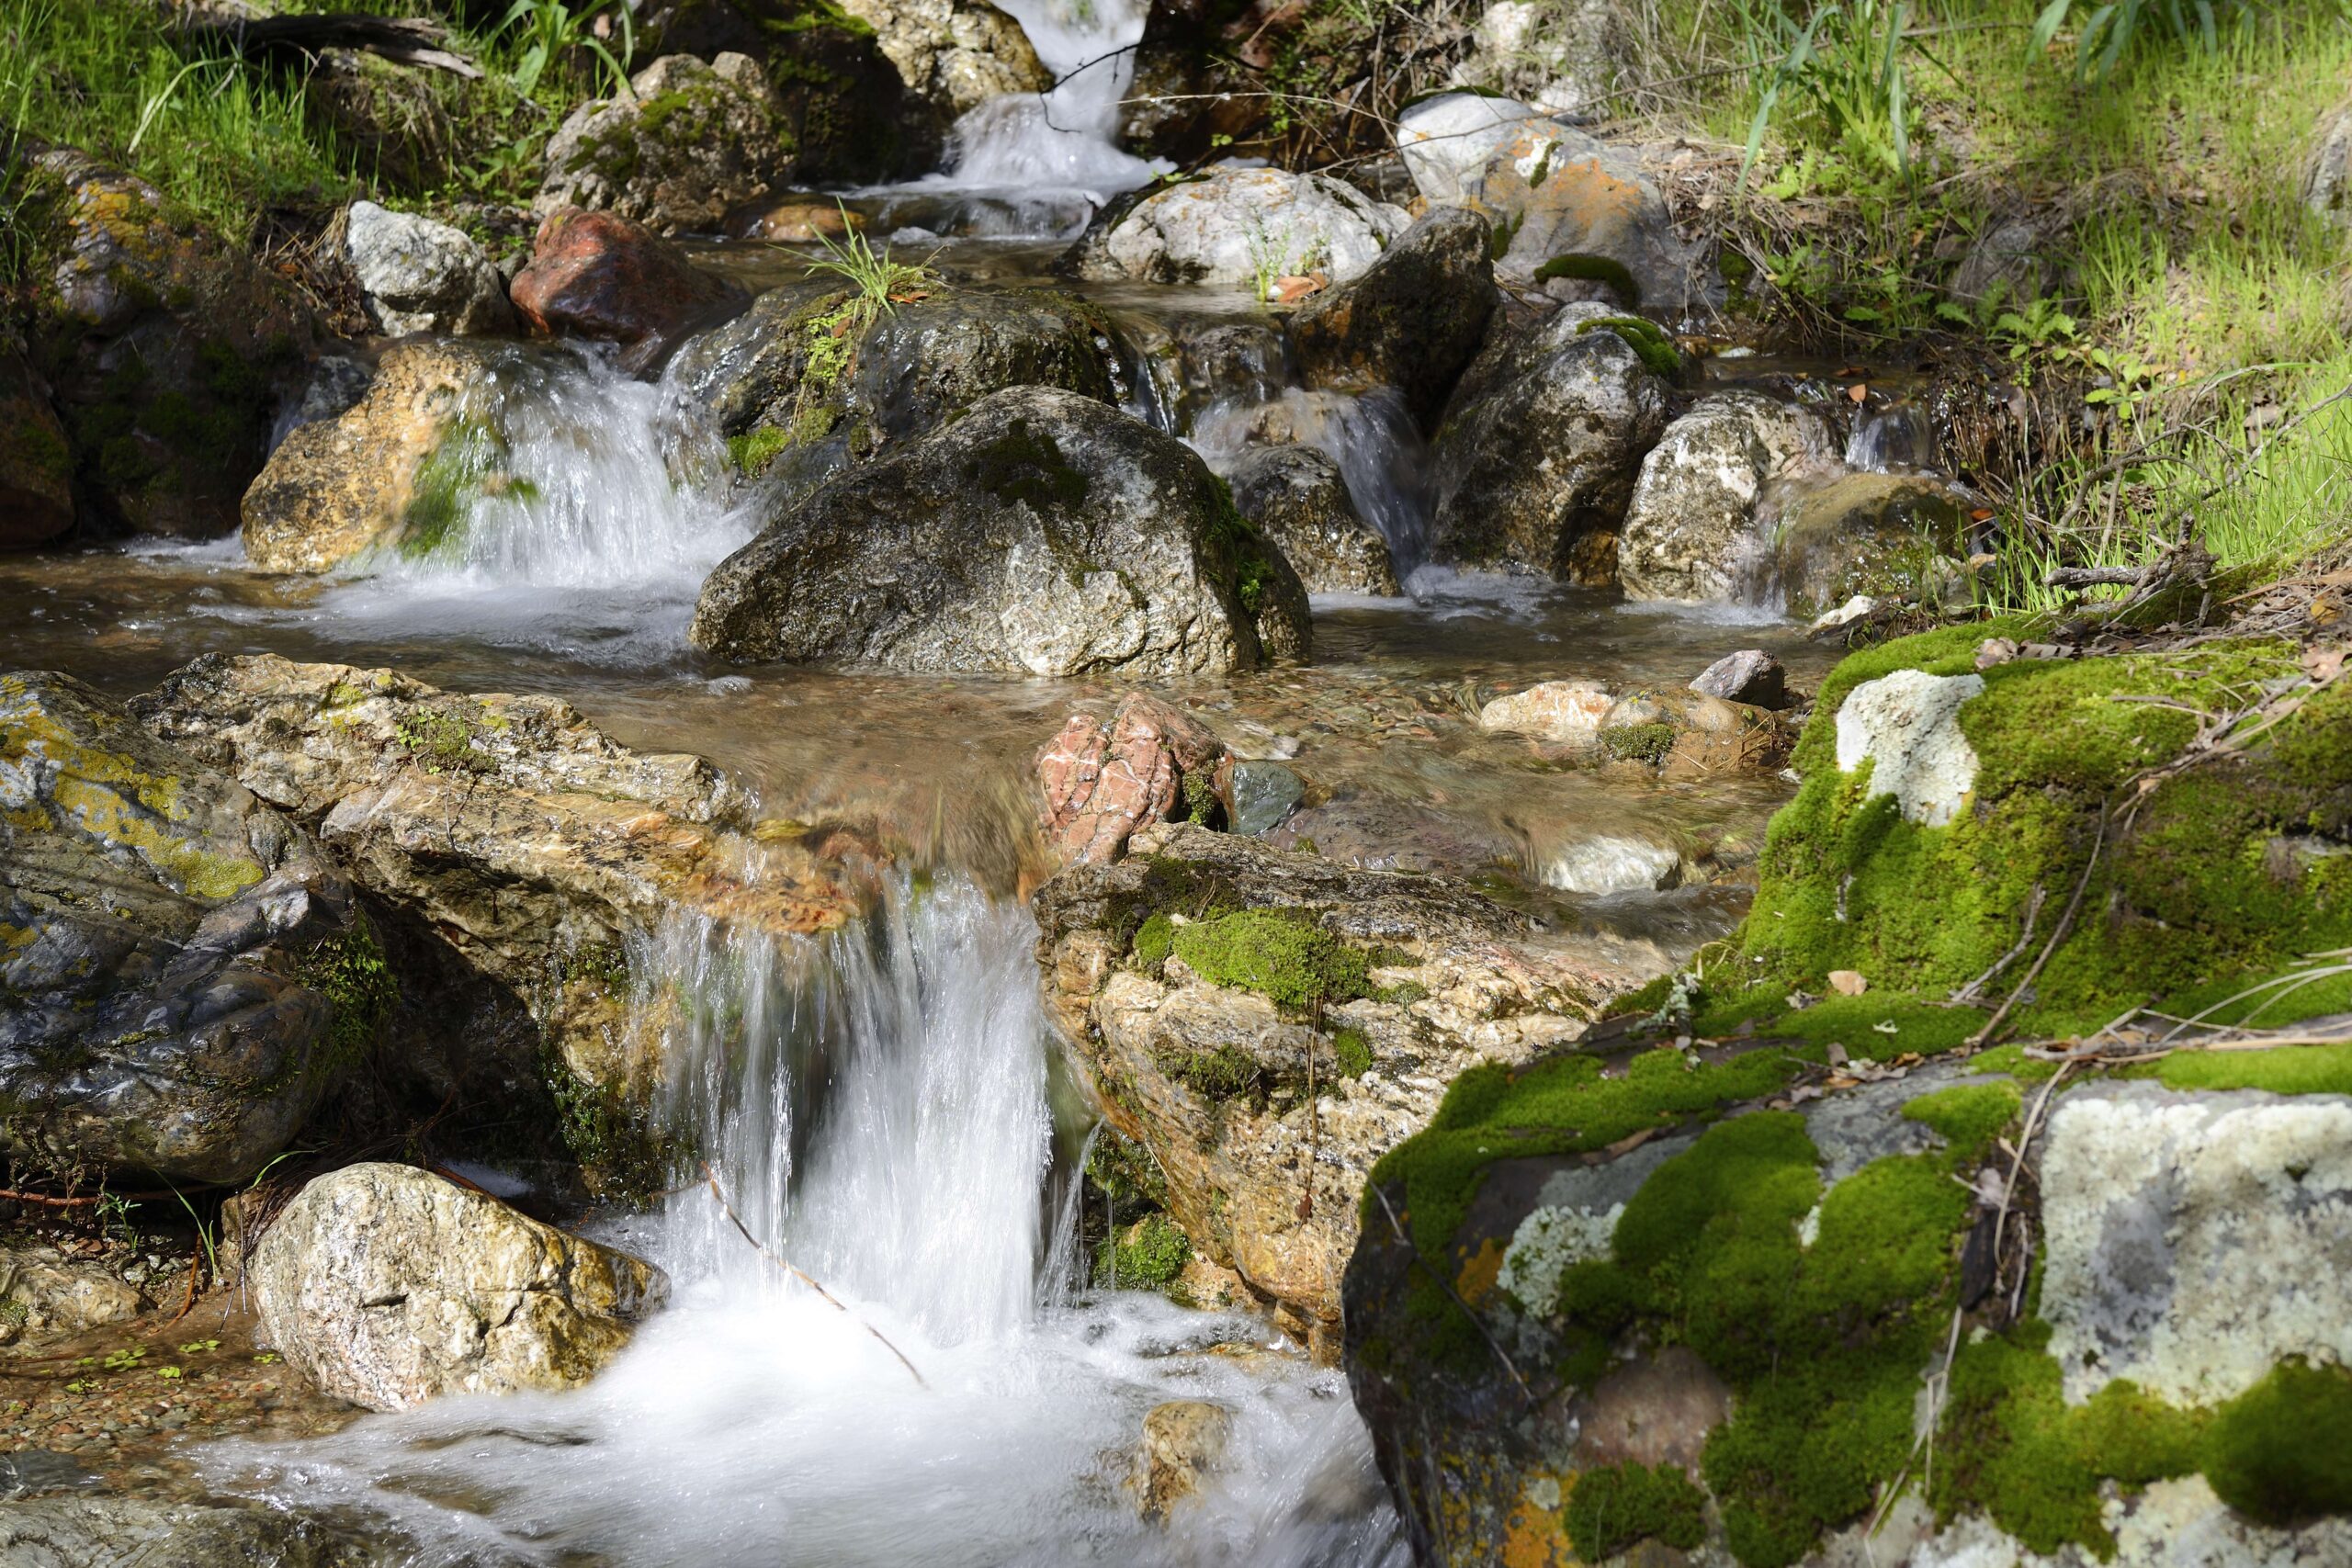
(1847, 982)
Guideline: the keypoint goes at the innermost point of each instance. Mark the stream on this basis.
(886, 1101)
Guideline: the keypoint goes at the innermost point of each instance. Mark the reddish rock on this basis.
(597, 275)
(1103, 783)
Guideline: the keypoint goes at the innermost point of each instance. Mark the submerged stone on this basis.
(1263, 793)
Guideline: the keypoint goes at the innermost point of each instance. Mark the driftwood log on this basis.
(295, 40)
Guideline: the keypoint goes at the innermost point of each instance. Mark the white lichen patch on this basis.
(1907, 725)
(2181, 1524)
(2195, 1241)
(1547, 1242)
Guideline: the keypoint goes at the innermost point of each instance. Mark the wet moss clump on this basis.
(1591, 268)
(1351, 1052)
(2282, 1453)
(1280, 953)
(1648, 341)
(1149, 1257)
(1613, 1508)
(1024, 466)
(755, 450)
(1968, 1116)
(349, 971)
(1646, 743)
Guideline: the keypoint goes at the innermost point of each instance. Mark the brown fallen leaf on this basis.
(1859, 391)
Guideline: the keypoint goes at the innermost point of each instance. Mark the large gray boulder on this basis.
(806, 382)
(1536, 461)
(1239, 227)
(954, 54)
(1297, 498)
(1688, 528)
(184, 975)
(419, 276)
(1414, 320)
(131, 1533)
(689, 142)
(1561, 59)
(1041, 533)
(388, 1286)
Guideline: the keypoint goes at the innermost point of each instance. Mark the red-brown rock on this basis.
(1103, 783)
(597, 274)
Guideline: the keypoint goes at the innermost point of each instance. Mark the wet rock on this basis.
(1574, 207)
(1382, 832)
(1551, 710)
(807, 382)
(1184, 1444)
(1687, 735)
(422, 277)
(36, 465)
(594, 275)
(1211, 1076)
(1534, 471)
(1688, 531)
(1877, 535)
(2327, 178)
(523, 838)
(1751, 676)
(28, 1473)
(388, 1286)
(1296, 497)
(1102, 782)
(690, 142)
(1414, 320)
(1263, 793)
(800, 220)
(1907, 725)
(954, 54)
(1562, 60)
(186, 975)
(1238, 226)
(76, 1532)
(1445, 141)
(338, 487)
(42, 1289)
(165, 348)
(337, 383)
(1615, 863)
(1043, 532)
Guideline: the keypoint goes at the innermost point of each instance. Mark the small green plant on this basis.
(1271, 258)
(1152, 1253)
(1846, 65)
(2114, 25)
(878, 277)
(544, 33)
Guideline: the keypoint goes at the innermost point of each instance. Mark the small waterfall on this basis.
(1370, 436)
(1069, 137)
(1891, 440)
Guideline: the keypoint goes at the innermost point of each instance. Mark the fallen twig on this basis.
(801, 1274)
(1986, 1035)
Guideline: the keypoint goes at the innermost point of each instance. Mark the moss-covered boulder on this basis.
(1886, 536)
(409, 127)
(394, 469)
(167, 347)
(815, 376)
(1043, 533)
(686, 144)
(1722, 1282)
(525, 844)
(1535, 461)
(1268, 1025)
(182, 977)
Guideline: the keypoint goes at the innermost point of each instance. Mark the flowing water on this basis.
(886, 1104)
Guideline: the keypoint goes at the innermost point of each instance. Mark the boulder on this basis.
(166, 348)
(1689, 527)
(1374, 831)
(422, 277)
(388, 1286)
(1298, 499)
(1044, 533)
(1614, 862)
(1575, 208)
(596, 274)
(1533, 470)
(954, 54)
(1685, 732)
(1906, 725)
(525, 840)
(1198, 978)
(805, 221)
(76, 1532)
(379, 474)
(1184, 1444)
(1446, 139)
(1237, 226)
(1413, 320)
(1750, 676)
(1878, 534)
(811, 379)
(2327, 178)
(1563, 59)
(688, 143)
(1551, 710)
(42, 1290)
(186, 975)
(36, 464)
(1260, 796)
(1101, 781)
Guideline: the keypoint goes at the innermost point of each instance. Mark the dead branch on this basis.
(299, 40)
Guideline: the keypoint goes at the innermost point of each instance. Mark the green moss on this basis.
(2285, 1069)
(1280, 953)
(1647, 340)
(1353, 1051)
(1149, 1257)
(1224, 1072)
(1200, 804)
(1155, 940)
(1638, 742)
(1967, 1115)
(1126, 1172)
(1595, 269)
(2130, 1436)
(2282, 1453)
(440, 739)
(755, 450)
(349, 971)
(1024, 466)
(447, 483)
(1610, 1509)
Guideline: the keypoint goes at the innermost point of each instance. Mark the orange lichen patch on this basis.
(1534, 1536)
(1478, 1275)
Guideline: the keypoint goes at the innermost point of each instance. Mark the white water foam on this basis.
(879, 1103)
